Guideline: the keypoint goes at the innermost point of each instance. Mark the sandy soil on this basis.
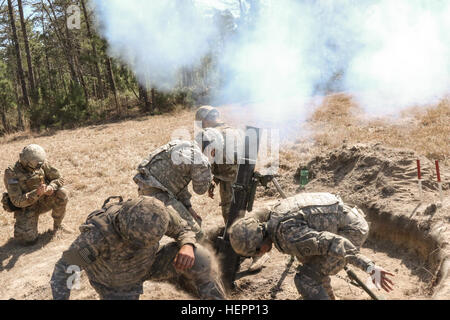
(99, 161)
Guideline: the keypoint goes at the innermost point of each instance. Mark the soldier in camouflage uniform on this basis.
(34, 187)
(119, 249)
(320, 230)
(166, 173)
(225, 165)
(225, 170)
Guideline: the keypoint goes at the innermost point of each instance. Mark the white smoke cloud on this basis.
(405, 60)
(155, 38)
(388, 54)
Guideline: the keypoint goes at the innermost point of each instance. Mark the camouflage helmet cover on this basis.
(143, 221)
(247, 237)
(204, 112)
(32, 156)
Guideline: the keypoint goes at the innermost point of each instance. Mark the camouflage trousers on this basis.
(177, 206)
(201, 280)
(26, 225)
(226, 197)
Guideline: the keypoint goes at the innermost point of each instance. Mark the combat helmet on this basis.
(142, 222)
(247, 237)
(205, 112)
(33, 157)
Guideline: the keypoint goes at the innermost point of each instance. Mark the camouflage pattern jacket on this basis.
(226, 166)
(317, 224)
(118, 253)
(172, 167)
(22, 185)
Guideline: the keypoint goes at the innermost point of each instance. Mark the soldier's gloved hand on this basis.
(49, 191)
(185, 258)
(212, 188)
(379, 278)
(41, 190)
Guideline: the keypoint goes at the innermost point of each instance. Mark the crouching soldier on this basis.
(167, 172)
(33, 187)
(119, 249)
(320, 230)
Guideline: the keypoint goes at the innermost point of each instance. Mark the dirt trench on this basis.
(382, 181)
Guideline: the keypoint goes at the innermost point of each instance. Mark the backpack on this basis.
(8, 206)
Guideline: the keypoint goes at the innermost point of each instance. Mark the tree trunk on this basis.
(143, 97)
(63, 41)
(153, 93)
(4, 121)
(112, 82)
(78, 69)
(27, 49)
(20, 72)
(101, 93)
(20, 123)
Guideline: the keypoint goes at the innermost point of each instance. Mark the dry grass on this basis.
(427, 131)
(100, 161)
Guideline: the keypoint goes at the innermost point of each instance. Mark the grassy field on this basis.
(100, 161)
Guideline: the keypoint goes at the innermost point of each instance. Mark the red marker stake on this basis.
(419, 176)
(438, 174)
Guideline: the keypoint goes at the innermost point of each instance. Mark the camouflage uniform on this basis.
(320, 230)
(22, 185)
(119, 249)
(225, 172)
(167, 172)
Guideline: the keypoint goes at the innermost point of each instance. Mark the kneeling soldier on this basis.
(34, 187)
(317, 228)
(167, 172)
(119, 250)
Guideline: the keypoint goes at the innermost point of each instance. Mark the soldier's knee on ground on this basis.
(309, 287)
(26, 230)
(204, 275)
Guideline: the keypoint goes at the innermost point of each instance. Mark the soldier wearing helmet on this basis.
(119, 250)
(225, 166)
(167, 172)
(318, 229)
(208, 117)
(33, 187)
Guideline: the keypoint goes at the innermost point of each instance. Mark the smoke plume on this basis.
(388, 54)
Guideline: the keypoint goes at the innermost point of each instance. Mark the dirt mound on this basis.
(383, 182)
(371, 170)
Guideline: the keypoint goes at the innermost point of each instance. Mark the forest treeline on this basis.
(53, 76)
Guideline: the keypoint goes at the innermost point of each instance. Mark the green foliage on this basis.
(67, 110)
(168, 101)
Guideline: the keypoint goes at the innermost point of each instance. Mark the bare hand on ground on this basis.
(185, 258)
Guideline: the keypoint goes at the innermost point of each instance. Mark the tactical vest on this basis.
(124, 264)
(298, 207)
(159, 166)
